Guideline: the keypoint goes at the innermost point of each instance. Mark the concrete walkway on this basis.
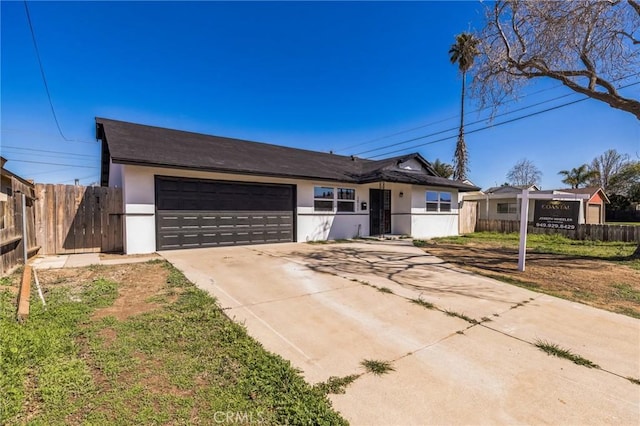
(86, 259)
(316, 306)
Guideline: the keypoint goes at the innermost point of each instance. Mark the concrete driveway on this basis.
(316, 305)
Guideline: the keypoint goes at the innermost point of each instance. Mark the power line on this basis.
(50, 171)
(472, 112)
(432, 123)
(493, 125)
(468, 124)
(47, 151)
(44, 78)
(51, 164)
(41, 134)
(80, 179)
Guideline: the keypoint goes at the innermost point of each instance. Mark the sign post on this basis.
(524, 215)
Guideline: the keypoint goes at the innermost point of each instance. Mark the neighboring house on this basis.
(501, 203)
(594, 212)
(12, 243)
(184, 190)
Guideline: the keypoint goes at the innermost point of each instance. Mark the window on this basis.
(346, 200)
(438, 201)
(507, 208)
(324, 198)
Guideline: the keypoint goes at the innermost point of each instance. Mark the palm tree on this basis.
(463, 52)
(578, 175)
(442, 169)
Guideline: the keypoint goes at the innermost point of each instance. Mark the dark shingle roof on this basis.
(129, 143)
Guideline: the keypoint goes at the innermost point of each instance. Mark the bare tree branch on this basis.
(587, 45)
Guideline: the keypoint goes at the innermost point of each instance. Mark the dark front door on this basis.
(379, 211)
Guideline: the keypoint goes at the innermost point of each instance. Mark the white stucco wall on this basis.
(409, 214)
(401, 207)
(432, 224)
(115, 175)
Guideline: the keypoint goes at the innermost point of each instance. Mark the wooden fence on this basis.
(623, 233)
(467, 217)
(78, 219)
(11, 231)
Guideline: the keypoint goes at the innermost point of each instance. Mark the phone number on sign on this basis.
(555, 226)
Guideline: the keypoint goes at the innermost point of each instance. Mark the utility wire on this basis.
(472, 112)
(44, 78)
(433, 123)
(456, 128)
(44, 150)
(493, 125)
(40, 134)
(51, 164)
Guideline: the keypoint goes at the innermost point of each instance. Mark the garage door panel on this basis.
(206, 213)
(188, 229)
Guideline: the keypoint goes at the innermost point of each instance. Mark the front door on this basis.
(379, 211)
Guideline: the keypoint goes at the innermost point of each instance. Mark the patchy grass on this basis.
(580, 271)
(626, 292)
(335, 385)
(542, 243)
(377, 367)
(179, 363)
(384, 290)
(555, 350)
(423, 303)
(338, 241)
(461, 316)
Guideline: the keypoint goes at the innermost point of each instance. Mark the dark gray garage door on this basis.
(204, 213)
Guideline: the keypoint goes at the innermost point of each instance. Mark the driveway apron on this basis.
(328, 307)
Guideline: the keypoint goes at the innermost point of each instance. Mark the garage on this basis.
(193, 213)
(594, 214)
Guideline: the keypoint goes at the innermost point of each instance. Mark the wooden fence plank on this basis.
(623, 233)
(97, 200)
(75, 219)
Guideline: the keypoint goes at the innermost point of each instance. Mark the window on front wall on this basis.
(507, 208)
(328, 199)
(346, 200)
(438, 201)
(323, 199)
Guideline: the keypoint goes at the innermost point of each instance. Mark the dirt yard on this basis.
(600, 283)
(140, 285)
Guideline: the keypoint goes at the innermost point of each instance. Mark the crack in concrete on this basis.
(479, 323)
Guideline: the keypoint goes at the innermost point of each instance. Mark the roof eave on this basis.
(229, 171)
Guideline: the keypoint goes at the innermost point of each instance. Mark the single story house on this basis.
(186, 190)
(501, 203)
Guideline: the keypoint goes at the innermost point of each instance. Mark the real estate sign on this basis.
(556, 214)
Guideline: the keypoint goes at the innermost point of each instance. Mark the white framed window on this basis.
(323, 199)
(330, 199)
(507, 208)
(438, 201)
(346, 199)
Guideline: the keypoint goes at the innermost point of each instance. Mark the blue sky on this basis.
(318, 75)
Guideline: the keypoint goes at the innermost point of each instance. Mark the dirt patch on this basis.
(137, 285)
(598, 283)
(120, 256)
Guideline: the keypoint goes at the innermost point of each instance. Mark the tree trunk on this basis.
(460, 155)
